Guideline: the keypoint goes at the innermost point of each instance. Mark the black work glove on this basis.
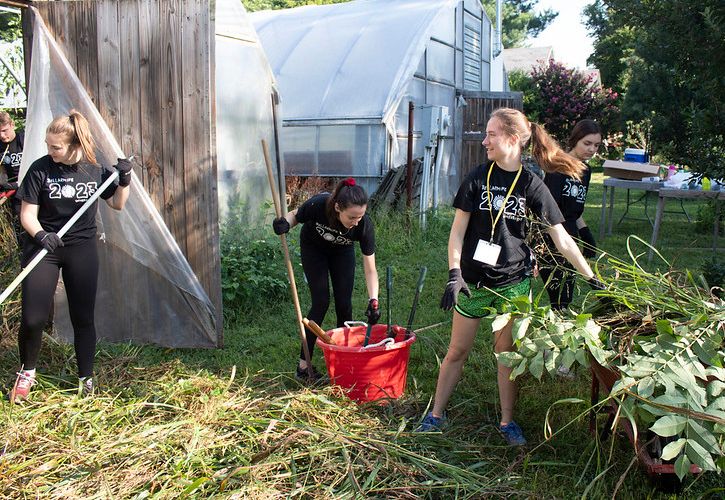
(49, 241)
(124, 168)
(589, 250)
(280, 226)
(373, 311)
(8, 186)
(453, 287)
(596, 284)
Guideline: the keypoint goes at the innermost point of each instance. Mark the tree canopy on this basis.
(668, 58)
(519, 20)
(254, 5)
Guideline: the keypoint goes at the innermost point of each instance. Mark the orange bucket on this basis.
(368, 373)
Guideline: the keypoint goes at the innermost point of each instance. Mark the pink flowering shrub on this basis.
(558, 97)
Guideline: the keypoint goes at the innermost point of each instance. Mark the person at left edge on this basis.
(52, 191)
(331, 223)
(11, 147)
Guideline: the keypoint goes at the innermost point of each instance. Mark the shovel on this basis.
(317, 330)
(368, 330)
(419, 288)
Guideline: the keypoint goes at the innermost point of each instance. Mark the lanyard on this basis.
(503, 205)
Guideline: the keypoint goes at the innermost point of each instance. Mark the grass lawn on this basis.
(233, 422)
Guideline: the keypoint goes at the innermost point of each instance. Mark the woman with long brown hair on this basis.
(488, 259)
(52, 191)
(570, 194)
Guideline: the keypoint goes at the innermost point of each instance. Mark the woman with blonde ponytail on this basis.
(53, 190)
(488, 259)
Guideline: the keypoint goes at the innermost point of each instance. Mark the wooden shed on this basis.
(148, 66)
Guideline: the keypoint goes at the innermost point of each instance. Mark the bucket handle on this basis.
(350, 324)
(385, 341)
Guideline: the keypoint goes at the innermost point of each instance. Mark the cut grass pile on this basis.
(173, 423)
(168, 431)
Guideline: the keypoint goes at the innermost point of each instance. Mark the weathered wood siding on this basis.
(148, 66)
(478, 109)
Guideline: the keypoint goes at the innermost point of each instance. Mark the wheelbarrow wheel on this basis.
(668, 483)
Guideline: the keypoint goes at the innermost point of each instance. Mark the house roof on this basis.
(526, 58)
(347, 60)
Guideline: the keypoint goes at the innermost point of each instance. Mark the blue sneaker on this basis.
(513, 434)
(431, 423)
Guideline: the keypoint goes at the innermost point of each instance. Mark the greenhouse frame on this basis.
(346, 73)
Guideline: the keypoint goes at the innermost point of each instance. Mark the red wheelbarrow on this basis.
(648, 449)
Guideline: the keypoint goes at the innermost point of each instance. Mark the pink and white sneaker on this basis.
(23, 383)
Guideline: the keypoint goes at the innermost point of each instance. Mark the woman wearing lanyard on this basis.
(488, 259)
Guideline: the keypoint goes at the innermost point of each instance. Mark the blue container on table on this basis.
(635, 155)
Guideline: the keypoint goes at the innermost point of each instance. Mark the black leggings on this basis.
(559, 281)
(80, 278)
(320, 268)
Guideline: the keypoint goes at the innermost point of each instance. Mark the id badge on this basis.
(487, 252)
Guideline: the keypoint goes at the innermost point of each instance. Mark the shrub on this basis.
(252, 264)
(713, 271)
(705, 221)
(253, 272)
(563, 96)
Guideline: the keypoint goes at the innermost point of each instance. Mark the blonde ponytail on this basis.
(550, 157)
(75, 129)
(544, 149)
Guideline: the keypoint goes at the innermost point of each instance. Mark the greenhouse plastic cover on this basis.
(147, 292)
(349, 60)
(244, 89)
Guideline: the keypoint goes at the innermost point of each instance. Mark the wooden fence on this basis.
(148, 65)
(478, 109)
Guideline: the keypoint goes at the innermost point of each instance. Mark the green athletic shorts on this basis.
(477, 306)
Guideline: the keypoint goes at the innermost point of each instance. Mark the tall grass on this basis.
(169, 431)
(234, 423)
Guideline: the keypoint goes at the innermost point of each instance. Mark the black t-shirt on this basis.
(60, 190)
(319, 232)
(570, 194)
(12, 155)
(530, 193)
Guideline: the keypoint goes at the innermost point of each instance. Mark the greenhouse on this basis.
(346, 73)
(244, 116)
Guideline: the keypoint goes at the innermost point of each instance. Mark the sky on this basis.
(567, 33)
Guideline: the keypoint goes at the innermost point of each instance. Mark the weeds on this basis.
(171, 423)
(173, 432)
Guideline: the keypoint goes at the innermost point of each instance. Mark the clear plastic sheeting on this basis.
(147, 292)
(244, 89)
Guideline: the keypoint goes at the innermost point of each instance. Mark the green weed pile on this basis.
(9, 268)
(167, 431)
(233, 422)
